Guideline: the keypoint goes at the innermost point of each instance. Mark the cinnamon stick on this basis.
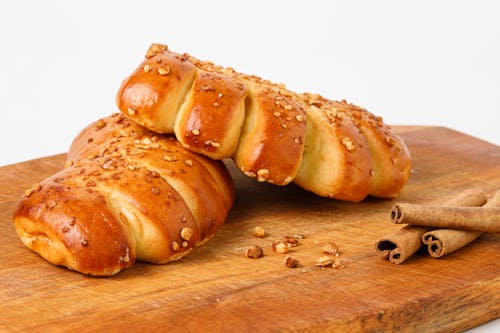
(441, 242)
(462, 218)
(402, 244)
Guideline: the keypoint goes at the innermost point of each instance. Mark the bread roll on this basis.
(334, 149)
(126, 194)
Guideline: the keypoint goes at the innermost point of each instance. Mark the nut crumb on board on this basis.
(292, 241)
(331, 248)
(280, 247)
(259, 232)
(254, 252)
(290, 262)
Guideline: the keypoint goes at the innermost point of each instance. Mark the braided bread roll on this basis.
(334, 149)
(126, 193)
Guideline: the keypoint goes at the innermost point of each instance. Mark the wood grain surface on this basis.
(216, 288)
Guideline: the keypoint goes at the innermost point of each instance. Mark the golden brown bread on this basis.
(334, 149)
(126, 193)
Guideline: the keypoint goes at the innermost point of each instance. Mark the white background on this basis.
(419, 62)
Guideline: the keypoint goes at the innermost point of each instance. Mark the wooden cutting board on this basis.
(216, 288)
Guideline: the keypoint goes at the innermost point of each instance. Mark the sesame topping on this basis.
(299, 118)
(186, 233)
(216, 104)
(164, 70)
(195, 131)
(283, 125)
(219, 95)
(349, 145)
(185, 244)
(277, 114)
(131, 111)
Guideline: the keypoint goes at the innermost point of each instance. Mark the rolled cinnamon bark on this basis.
(462, 218)
(402, 244)
(441, 242)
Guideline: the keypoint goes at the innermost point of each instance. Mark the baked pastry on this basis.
(126, 193)
(334, 149)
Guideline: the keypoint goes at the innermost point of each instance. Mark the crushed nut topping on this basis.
(126, 257)
(287, 180)
(169, 158)
(331, 248)
(155, 190)
(288, 107)
(349, 145)
(131, 111)
(250, 174)
(147, 68)
(254, 252)
(262, 174)
(186, 233)
(35, 188)
(154, 49)
(100, 124)
(164, 70)
(188, 163)
(290, 262)
(277, 114)
(185, 244)
(72, 221)
(195, 131)
(50, 204)
(280, 247)
(259, 232)
(206, 87)
(175, 246)
(65, 229)
(212, 143)
(299, 118)
(84, 242)
(90, 183)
